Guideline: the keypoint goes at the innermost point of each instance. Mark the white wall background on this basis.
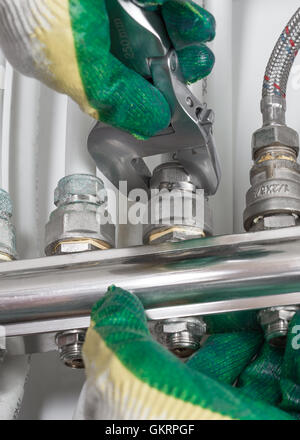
(44, 138)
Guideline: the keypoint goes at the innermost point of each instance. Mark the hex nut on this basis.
(275, 135)
(182, 336)
(176, 216)
(169, 175)
(69, 338)
(69, 345)
(78, 220)
(194, 325)
(275, 323)
(274, 192)
(176, 207)
(273, 315)
(274, 222)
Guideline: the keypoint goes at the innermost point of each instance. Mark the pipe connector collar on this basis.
(79, 188)
(81, 222)
(274, 135)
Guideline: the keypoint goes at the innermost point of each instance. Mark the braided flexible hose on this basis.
(282, 59)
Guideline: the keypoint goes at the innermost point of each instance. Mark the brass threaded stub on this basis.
(269, 156)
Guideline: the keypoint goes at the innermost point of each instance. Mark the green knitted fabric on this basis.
(195, 59)
(120, 321)
(225, 356)
(120, 96)
(188, 23)
(290, 377)
(233, 322)
(261, 379)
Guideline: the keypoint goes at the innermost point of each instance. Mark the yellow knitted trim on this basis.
(129, 396)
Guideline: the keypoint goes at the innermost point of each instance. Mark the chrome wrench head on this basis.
(140, 41)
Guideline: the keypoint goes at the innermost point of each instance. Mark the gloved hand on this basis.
(130, 376)
(66, 44)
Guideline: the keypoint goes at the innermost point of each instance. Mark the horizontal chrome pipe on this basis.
(199, 277)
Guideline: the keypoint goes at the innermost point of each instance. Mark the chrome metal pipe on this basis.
(198, 277)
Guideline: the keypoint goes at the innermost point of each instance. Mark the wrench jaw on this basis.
(120, 157)
(118, 154)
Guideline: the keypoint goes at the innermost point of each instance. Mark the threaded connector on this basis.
(81, 222)
(77, 225)
(177, 210)
(70, 345)
(275, 323)
(275, 188)
(182, 336)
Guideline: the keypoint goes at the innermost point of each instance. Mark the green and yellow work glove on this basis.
(66, 45)
(234, 375)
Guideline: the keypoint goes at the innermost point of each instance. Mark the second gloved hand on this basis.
(234, 375)
(66, 45)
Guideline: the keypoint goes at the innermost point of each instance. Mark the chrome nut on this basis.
(169, 175)
(72, 219)
(274, 222)
(274, 191)
(193, 325)
(275, 135)
(177, 216)
(182, 336)
(70, 345)
(275, 323)
(177, 207)
(69, 338)
(274, 314)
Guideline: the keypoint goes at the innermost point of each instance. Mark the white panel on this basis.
(37, 152)
(7, 72)
(79, 126)
(52, 391)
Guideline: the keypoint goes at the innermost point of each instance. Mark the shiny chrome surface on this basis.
(198, 277)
